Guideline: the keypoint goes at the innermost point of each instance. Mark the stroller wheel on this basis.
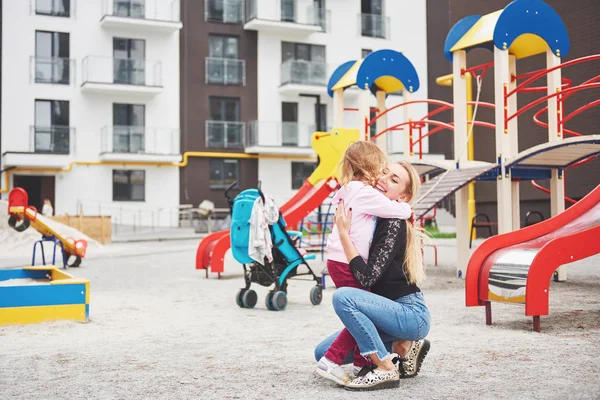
(316, 295)
(249, 298)
(239, 296)
(279, 301)
(269, 301)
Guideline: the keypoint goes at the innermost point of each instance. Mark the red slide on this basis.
(212, 249)
(517, 267)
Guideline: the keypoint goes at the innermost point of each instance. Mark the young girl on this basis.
(362, 164)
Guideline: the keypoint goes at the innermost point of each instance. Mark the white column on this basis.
(406, 97)
(338, 108)
(513, 129)
(503, 150)
(461, 132)
(557, 187)
(363, 112)
(381, 123)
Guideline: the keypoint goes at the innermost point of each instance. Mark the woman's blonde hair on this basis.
(363, 161)
(415, 236)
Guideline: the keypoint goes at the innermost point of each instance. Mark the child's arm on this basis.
(371, 201)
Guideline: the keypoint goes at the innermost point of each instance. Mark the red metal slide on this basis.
(212, 249)
(517, 267)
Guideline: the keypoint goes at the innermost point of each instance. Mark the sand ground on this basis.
(160, 330)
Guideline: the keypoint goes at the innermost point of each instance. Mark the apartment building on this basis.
(261, 90)
(218, 97)
(90, 105)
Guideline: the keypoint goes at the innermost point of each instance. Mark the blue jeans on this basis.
(375, 321)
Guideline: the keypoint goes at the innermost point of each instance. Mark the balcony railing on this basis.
(123, 71)
(158, 10)
(279, 134)
(128, 139)
(226, 11)
(56, 70)
(225, 134)
(287, 11)
(373, 25)
(302, 72)
(53, 8)
(225, 71)
(52, 139)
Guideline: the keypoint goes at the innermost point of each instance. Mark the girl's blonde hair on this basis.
(415, 236)
(363, 161)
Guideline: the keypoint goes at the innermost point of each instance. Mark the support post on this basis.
(471, 156)
(461, 132)
(338, 108)
(513, 128)
(406, 97)
(503, 150)
(364, 112)
(557, 187)
(381, 123)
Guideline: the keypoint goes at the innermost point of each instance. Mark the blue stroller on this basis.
(286, 256)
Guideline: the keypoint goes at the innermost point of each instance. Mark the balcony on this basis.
(223, 11)
(139, 143)
(276, 137)
(108, 75)
(55, 70)
(141, 16)
(46, 146)
(285, 17)
(303, 76)
(225, 134)
(225, 71)
(373, 25)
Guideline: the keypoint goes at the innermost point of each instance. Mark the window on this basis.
(288, 10)
(227, 11)
(302, 51)
(129, 185)
(321, 116)
(55, 8)
(372, 20)
(372, 128)
(51, 131)
(223, 172)
(129, 61)
(289, 124)
(223, 65)
(366, 52)
(224, 129)
(52, 57)
(303, 64)
(301, 171)
(129, 8)
(128, 128)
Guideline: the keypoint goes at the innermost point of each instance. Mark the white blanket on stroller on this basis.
(260, 244)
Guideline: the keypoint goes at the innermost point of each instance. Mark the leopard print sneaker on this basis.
(371, 378)
(410, 365)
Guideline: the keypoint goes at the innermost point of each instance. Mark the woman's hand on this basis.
(342, 220)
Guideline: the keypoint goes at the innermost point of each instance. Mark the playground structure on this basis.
(522, 29)
(22, 216)
(42, 293)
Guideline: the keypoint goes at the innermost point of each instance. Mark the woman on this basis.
(393, 315)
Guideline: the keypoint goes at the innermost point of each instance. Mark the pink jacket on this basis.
(367, 204)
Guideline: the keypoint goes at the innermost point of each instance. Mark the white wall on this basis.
(89, 112)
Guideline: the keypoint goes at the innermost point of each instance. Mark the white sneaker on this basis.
(330, 370)
(374, 379)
